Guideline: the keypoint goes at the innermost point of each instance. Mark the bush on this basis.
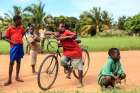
(132, 24)
(112, 33)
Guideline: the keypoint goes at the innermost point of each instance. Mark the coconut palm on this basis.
(37, 13)
(96, 15)
(87, 22)
(94, 21)
(106, 20)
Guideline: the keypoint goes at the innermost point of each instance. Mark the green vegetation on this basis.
(104, 43)
(132, 24)
(90, 22)
(97, 43)
(4, 47)
(96, 21)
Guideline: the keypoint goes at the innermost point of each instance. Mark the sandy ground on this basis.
(129, 59)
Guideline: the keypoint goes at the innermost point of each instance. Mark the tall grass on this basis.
(4, 47)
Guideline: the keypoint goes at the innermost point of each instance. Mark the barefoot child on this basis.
(112, 71)
(34, 47)
(14, 35)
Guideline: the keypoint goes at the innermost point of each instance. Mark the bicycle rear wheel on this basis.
(47, 72)
(86, 62)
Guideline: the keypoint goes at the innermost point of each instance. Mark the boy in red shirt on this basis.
(71, 51)
(14, 35)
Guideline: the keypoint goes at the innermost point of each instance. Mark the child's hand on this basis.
(60, 38)
(116, 77)
(56, 34)
(13, 42)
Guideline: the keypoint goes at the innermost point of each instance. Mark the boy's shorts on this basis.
(75, 63)
(16, 53)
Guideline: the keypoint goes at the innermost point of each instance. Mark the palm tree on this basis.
(16, 11)
(91, 21)
(96, 15)
(37, 13)
(106, 20)
(87, 23)
(49, 23)
(94, 21)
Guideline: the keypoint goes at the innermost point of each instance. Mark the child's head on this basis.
(31, 28)
(61, 27)
(17, 20)
(114, 53)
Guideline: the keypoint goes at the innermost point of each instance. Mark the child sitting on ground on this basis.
(112, 71)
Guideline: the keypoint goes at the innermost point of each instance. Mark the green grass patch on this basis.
(97, 43)
(4, 47)
(104, 43)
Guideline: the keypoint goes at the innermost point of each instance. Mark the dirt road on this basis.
(129, 59)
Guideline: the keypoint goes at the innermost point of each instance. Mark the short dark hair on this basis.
(65, 25)
(16, 17)
(112, 51)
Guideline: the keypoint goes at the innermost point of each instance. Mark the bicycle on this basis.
(50, 66)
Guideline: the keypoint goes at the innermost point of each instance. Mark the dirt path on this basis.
(130, 61)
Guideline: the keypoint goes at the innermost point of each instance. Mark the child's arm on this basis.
(107, 68)
(120, 69)
(8, 40)
(50, 33)
(36, 38)
(67, 37)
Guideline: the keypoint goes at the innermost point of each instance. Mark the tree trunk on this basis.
(97, 28)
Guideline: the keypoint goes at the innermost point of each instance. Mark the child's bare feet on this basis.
(19, 80)
(7, 83)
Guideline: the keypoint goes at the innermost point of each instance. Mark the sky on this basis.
(116, 8)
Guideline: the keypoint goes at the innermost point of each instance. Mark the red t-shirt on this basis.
(15, 34)
(70, 47)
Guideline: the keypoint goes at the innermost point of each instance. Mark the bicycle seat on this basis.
(78, 41)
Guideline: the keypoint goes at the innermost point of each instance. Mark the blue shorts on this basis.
(16, 53)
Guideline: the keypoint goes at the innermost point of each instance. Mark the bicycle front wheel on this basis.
(47, 72)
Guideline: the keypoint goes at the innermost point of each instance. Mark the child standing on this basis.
(112, 71)
(34, 47)
(14, 35)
